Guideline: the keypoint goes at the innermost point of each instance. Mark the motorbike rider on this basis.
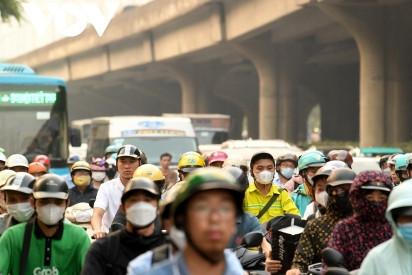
(400, 168)
(17, 192)
(4, 175)
(43, 159)
(48, 245)
(308, 165)
(111, 149)
(355, 236)
(394, 256)
(217, 158)
(285, 169)
(112, 253)
(17, 163)
(205, 209)
(129, 158)
(83, 191)
(98, 170)
(68, 177)
(392, 161)
(37, 169)
(316, 235)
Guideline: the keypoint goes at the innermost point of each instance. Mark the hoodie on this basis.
(367, 228)
(395, 255)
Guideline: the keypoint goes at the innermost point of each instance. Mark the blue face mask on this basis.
(406, 231)
(287, 172)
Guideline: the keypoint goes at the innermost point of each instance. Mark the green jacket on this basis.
(68, 249)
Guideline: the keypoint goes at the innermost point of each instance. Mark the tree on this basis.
(9, 9)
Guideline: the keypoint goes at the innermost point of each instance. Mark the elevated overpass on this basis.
(270, 60)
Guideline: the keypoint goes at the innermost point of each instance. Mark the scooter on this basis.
(252, 261)
(81, 214)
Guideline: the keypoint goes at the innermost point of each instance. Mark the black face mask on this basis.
(342, 204)
(111, 172)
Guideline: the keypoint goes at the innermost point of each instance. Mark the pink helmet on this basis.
(43, 159)
(98, 164)
(217, 156)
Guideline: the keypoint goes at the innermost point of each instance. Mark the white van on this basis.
(153, 135)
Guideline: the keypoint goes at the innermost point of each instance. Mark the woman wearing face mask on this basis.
(394, 256)
(316, 235)
(261, 190)
(17, 192)
(354, 237)
(98, 167)
(112, 253)
(83, 191)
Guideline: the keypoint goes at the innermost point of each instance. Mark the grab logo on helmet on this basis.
(47, 271)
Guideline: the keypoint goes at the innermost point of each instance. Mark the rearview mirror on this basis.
(75, 138)
(252, 239)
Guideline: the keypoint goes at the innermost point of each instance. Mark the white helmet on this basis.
(4, 175)
(236, 161)
(2, 157)
(17, 160)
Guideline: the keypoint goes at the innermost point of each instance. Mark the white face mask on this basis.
(322, 198)
(141, 214)
(50, 214)
(264, 177)
(178, 237)
(98, 176)
(20, 211)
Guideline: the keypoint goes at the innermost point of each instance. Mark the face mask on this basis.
(342, 204)
(20, 211)
(98, 176)
(50, 214)
(111, 172)
(81, 181)
(141, 214)
(387, 171)
(287, 172)
(264, 177)
(322, 198)
(178, 237)
(405, 230)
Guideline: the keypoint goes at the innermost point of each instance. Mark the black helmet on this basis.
(287, 157)
(128, 151)
(239, 175)
(21, 182)
(259, 156)
(140, 183)
(50, 186)
(341, 176)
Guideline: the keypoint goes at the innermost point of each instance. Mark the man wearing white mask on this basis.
(48, 245)
(262, 198)
(18, 191)
(112, 253)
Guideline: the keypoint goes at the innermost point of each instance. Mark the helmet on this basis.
(50, 186)
(399, 201)
(4, 175)
(332, 154)
(2, 157)
(287, 157)
(401, 162)
(111, 149)
(73, 159)
(80, 165)
(140, 183)
(236, 161)
(392, 159)
(310, 152)
(204, 179)
(311, 160)
(43, 159)
(240, 177)
(110, 162)
(384, 159)
(98, 164)
(128, 151)
(37, 167)
(325, 170)
(337, 164)
(341, 176)
(149, 171)
(217, 156)
(143, 157)
(21, 182)
(373, 180)
(166, 204)
(190, 162)
(17, 160)
(259, 156)
(344, 156)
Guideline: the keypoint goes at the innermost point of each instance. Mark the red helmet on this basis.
(43, 159)
(217, 156)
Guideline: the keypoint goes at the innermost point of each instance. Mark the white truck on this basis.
(153, 135)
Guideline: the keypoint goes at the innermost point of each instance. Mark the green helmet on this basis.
(401, 162)
(311, 160)
(203, 179)
(111, 149)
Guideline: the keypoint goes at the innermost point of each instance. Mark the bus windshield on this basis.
(33, 121)
(153, 147)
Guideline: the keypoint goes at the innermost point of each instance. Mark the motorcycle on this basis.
(252, 261)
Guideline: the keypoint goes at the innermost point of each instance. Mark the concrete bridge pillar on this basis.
(382, 33)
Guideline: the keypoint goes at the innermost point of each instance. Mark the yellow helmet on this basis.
(80, 165)
(151, 172)
(190, 161)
